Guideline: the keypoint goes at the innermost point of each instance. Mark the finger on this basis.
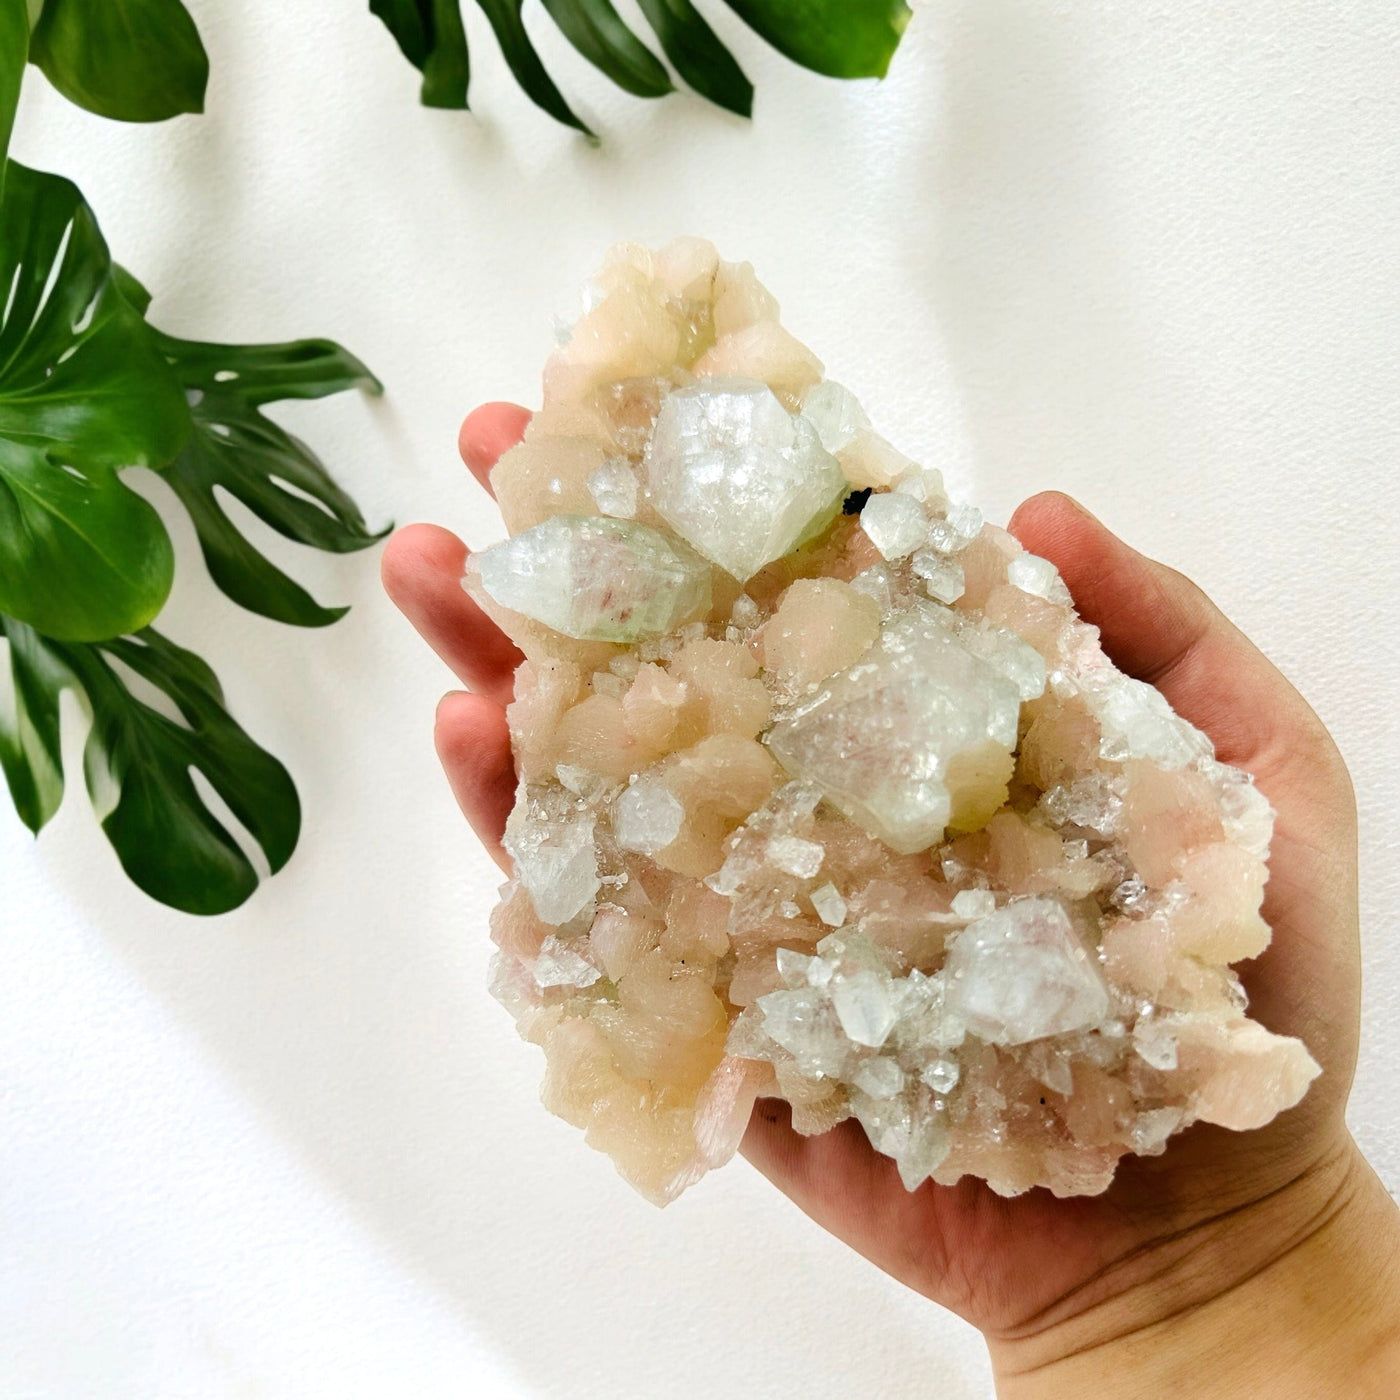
(422, 572)
(489, 432)
(848, 1188)
(828, 1174)
(473, 744)
(1160, 627)
(836, 1177)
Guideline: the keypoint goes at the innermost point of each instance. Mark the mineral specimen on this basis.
(843, 806)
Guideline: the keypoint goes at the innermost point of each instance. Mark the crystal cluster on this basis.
(827, 794)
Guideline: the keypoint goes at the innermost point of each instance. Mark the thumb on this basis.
(1160, 627)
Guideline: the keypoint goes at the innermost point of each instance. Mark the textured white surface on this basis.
(1142, 253)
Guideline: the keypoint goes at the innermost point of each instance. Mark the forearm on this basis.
(1311, 1314)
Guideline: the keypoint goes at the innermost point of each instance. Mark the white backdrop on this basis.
(1144, 253)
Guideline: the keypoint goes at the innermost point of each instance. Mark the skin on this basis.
(1237, 1264)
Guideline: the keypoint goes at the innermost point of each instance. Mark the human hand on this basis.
(1260, 1263)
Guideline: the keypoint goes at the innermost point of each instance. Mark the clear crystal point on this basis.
(596, 579)
(1024, 973)
(917, 729)
(737, 476)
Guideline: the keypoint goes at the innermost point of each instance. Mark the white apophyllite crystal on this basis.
(803, 1022)
(826, 794)
(974, 904)
(1024, 973)
(1135, 721)
(551, 842)
(916, 735)
(957, 529)
(558, 965)
(941, 1075)
(647, 818)
(925, 485)
(795, 856)
(830, 907)
(943, 578)
(613, 487)
(600, 580)
(879, 1076)
(835, 413)
(864, 1007)
(1037, 576)
(1154, 1041)
(896, 523)
(738, 476)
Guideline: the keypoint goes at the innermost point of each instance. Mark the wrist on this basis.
(1293, 1297)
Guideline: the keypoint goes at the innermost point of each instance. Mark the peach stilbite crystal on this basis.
(826, 793)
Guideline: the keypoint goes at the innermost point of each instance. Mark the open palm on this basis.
(1019, 1268)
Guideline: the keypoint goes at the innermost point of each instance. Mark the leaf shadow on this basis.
(1012, 243)
(351, 1014)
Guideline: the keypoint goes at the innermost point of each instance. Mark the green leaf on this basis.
(84, 391)
(263, 374)
(698, 55)
(138, 765)
(133, 293)
(594, 28)
(431, 37)
(133, 60)
(410, 22)
(524, 62)
(14, 52)
(841, 38)
(30, 754)
(236, 448)
(447, 72)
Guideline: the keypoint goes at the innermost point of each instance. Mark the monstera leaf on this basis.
(14, 50)
(235, 448)
(841, 38)
(84, 392)
(698, 54)
(139, 758)
(430, 34)
(88, 386)
(29, 737)
(596, 30)
(138, 763)
(134, 60)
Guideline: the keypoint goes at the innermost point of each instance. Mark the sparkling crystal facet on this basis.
(601, 580)
(915, 732)
(1023, 973)
(738, 476)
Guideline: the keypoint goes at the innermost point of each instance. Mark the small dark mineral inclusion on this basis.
(855, 502)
